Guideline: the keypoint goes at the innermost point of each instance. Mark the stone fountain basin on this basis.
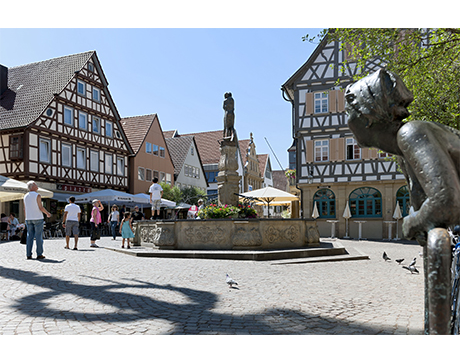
(228, 234)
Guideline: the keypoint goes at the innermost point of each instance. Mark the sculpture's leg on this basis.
(439, 281)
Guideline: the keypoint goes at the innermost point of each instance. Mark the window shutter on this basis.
(309, 103)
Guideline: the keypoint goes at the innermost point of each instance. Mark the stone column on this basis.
(228, 179)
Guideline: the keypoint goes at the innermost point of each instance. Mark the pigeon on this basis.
(386, 257)
(231, 281)
(412, 264)
(412, 269)
(399, 261)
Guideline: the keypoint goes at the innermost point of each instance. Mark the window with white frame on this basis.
(162, 152)
(168, 178)
(109, 129)
(384, 154)
(82, 120)
(96, 125)
(96, 94)
(321, 102)
(120, 166)
(162, 177)
(81, 158)
(66, 155)
(155, 149)
(81, 88)
(108, 163)
(141, 174)
(148, 147)
(94, 161)
(321, 150)
(45, 151)
(148, 175)
(68, 115)
(155, 174)
(353, 151)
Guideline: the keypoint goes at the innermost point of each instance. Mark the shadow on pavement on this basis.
(193, 317)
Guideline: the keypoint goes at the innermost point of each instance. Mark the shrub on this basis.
(213, 211)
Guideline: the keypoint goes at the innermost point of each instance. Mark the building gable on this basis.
(67, 122)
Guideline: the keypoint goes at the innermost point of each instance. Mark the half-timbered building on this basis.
(331, 169)
(60, 127)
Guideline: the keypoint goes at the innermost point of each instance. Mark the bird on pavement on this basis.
(399, 261)
(412, 269)
(386, 257)
(231, 281)
(412, 264)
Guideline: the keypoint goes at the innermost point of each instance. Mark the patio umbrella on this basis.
(108, 196)
(347, 216)
(144, 198)
(397, 215)
(315, 214)
(11, 190)
(268, 195)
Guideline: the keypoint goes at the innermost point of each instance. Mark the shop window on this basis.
(366, 202)
(403, 197)
(325, 200)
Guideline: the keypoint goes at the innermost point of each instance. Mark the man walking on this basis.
(33, 211)
(156, 193)
(70, 222)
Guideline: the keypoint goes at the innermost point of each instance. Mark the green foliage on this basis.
(214, 211)
(246, 211)
(428, 61)
(189, 195)
(171, 193)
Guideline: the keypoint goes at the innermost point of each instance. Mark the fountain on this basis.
(228, 234)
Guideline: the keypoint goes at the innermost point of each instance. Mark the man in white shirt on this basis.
(71, 222)
(33, 211)
(156, 193)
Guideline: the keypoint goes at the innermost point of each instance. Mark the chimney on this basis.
(3, 79)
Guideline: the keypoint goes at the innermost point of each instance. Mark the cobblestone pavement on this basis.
(103, 292)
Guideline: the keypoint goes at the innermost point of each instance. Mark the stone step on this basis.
(326, 252)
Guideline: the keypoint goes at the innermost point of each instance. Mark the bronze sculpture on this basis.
(429, 156)
(229, 117)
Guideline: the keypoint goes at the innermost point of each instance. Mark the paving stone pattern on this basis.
(103, 292)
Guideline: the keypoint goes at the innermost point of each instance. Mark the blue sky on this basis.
(182, 74)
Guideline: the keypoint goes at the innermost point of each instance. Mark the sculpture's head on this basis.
(227, 95)
(378, 99)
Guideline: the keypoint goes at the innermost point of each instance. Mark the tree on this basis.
(171, 193)
(192, 194)
(189, 195)
(428, 61)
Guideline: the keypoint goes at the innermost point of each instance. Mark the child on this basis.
(126, 230)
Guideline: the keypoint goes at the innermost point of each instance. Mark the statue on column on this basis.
(229, 117)
(228, 178)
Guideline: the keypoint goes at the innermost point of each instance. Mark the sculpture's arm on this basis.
(432, 167)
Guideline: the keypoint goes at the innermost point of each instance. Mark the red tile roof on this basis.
(207, 143)
(136, 129)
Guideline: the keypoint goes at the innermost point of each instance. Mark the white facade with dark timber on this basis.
(59, 126)
(331, 169)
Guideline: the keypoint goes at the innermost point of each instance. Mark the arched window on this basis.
(325, 200)
(403, 197)
(366, 202)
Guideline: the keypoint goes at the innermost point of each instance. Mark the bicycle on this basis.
(455, 270)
